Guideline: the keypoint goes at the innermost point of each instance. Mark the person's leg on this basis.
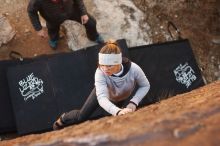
(78, 116)
(90, 26)
(53, 32)
(91, 30)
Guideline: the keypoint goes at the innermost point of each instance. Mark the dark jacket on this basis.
(54, 13)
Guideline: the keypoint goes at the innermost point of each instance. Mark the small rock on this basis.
(7, 1)
(216, 40)
(186, 131)
(5, 14)
(212, 58)
(217, 74)
(27, 30)
(6, 31)
(89, 140)
(17, 16)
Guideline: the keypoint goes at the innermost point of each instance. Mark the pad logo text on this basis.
(185, 74)
(31, 87)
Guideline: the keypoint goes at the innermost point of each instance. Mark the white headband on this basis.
(110, 59)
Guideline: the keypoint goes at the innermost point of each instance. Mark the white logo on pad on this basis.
(185, 74)
(31, 87)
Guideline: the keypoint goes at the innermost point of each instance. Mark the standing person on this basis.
(115, 80)
(55, 12)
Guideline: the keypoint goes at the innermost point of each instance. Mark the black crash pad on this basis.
(170, 67)
(68, 78)
(40, 91)
(7, 120)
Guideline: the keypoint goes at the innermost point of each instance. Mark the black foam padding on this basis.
(160, 61)
(67, 80)
(7, 120)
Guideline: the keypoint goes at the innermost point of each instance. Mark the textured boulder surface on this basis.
(6, 31)
(187, 119)
(116, 19)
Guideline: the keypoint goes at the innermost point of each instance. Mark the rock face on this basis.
(188, 119)
(76, 35)
(6, 31)
(121, 19)
(116, 19)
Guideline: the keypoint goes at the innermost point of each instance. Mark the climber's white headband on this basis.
(110, 59)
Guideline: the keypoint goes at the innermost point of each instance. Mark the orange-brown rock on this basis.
(188, 119)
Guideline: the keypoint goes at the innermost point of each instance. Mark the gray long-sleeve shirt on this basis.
(111, 89)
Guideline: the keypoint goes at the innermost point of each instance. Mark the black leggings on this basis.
(77, 116)
(88, 108)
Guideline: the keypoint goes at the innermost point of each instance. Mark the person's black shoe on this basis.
(58, 124)
(53, 44)
(99, 39)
